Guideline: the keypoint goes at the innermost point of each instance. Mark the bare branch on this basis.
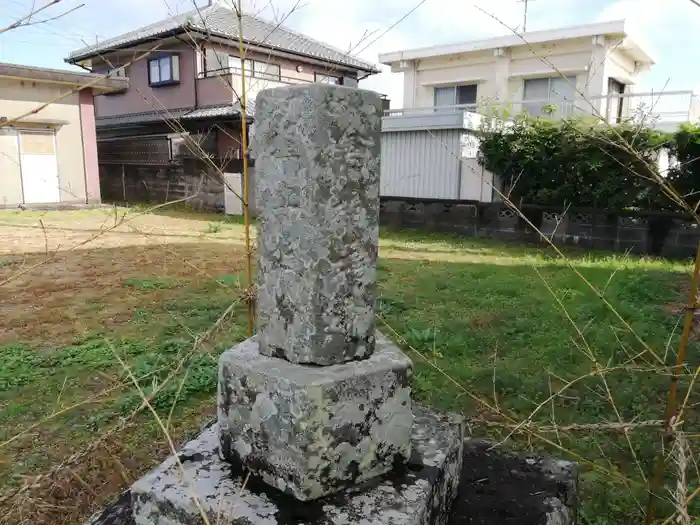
(27, 20)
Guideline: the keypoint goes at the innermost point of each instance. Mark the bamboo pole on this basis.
(673, 389)
(244, 144)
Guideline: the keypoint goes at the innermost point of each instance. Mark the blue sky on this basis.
(670, 29)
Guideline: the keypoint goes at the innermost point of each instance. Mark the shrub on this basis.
(575, 162)
(685, 174)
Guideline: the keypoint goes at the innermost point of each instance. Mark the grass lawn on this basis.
(514, 327)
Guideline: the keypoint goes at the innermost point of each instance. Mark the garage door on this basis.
(39, 167)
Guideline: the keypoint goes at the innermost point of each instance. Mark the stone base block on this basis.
(311, 431)
(419, 492)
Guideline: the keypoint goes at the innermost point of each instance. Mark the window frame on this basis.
(247, 63)
(233, 66)
(318, 76)
(455, 90)
(265, 75)
(550, 99)
(173, 58)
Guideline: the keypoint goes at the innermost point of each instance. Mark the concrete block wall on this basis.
(658, 234)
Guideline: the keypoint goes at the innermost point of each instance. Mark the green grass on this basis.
(36, 384)
(481, 312)
(145, 285)
(478, 310)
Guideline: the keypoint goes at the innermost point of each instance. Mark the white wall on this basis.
(20, 97)
(499, 74)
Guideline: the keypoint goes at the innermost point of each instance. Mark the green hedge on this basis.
(582, 164)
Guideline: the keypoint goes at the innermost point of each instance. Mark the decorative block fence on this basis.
(670, 235)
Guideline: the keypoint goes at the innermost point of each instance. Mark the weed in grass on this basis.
(147, 285)
(32, 381)
(232, 281)
(213, 227)
(390, 305)
(139, 316)
(235, 219)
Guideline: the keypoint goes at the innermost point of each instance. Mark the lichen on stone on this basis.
(317, 153)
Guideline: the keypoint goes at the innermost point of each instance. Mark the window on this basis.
(616, 100)
(455, 95)
(219, 62)
(541, 92)
(164, 70)
(327, 79)
(235, 65)
(266, 70)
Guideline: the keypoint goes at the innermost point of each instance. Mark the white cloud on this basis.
(668, 31)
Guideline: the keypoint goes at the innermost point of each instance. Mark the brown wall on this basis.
(216, 90)
(228, 143)
(140, 97)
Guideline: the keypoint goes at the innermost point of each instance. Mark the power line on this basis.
(392, 26)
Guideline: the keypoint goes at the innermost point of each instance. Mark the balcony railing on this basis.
(402, 112)
(263, 75)
(661, 110)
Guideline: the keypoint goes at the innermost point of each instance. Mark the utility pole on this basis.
(525, 2)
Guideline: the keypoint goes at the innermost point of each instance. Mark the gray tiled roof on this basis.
(225, 110)
(139, 118)
(221, 110)
(219, 20)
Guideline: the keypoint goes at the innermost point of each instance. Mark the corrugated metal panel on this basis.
(421, 164)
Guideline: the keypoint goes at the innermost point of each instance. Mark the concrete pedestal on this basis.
(418, 493)
(310, 430)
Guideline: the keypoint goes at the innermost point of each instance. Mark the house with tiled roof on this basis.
(185, 82)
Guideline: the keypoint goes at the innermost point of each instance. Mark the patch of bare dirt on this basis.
(55, 296)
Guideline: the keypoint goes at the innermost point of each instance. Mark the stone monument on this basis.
(315, 422)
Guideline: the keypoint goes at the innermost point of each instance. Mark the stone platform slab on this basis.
(419, 493)
(312, 431)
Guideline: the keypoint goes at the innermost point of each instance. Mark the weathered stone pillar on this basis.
(306, 429)
(317, 158)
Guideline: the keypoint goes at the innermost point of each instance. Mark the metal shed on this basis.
(432, 154)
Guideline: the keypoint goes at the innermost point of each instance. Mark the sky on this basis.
(669, 29)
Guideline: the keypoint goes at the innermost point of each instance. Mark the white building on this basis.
(593, 69)
(428, 146)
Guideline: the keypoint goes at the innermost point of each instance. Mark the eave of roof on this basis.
(185, 23)
(98, 83)
(612, 28)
